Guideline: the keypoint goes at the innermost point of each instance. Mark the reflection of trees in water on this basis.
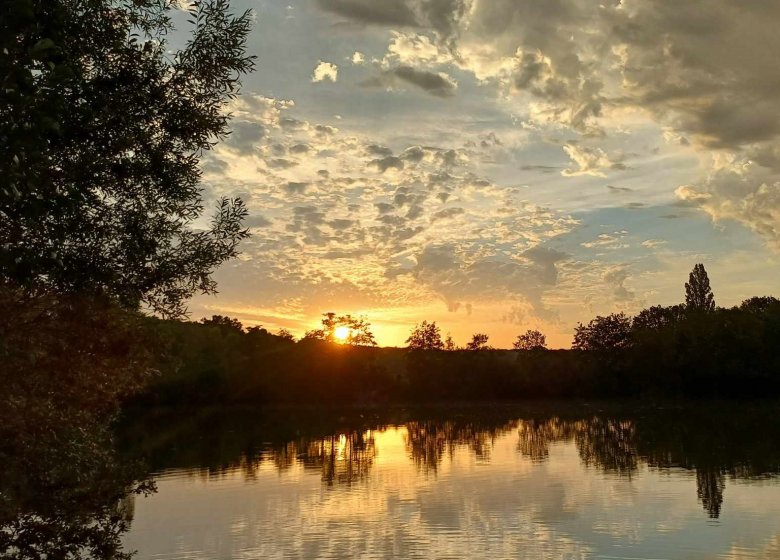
(608, 444)
(428, 441)
(65, 494)
(601, 442)
(713, 446)
(342, 458)
(717, 444)
(535, 437)
(709, 487)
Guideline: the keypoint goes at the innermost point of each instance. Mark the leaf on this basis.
(41, 46)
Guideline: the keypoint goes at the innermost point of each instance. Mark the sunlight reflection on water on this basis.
(522, 489)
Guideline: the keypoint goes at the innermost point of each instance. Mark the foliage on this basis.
(68, 355)
(530, 340)
(285, 334)
(449, 343)
(222, 322)
(760, 304)
(479, 341)
(730, 353)
(425, 336)
(65, 493)
(698, 295)
(602, 334)
(658, 317)
(65, 363)
(359, 330)
(103, 125)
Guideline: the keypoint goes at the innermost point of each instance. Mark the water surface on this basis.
(553, 481)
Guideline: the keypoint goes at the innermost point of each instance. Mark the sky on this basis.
(499, 165)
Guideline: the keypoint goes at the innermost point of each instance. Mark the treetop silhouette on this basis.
(612, 332)
(698, 295)
(425, 336)
(530, 340)
(479, 341)
(358, 330)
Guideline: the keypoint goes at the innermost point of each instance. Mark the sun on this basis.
(341, 333)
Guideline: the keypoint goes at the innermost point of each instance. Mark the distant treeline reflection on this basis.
(732, 444)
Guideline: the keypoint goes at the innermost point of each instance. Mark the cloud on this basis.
(616, 277)
(540, 168)
(416, 50)
(589, 161)
(387, 12)
(749, 194)
(368, 230)
(245, 136)
(377, 150)
(357, 58)
(459, 278)
(294, 187)
(653, 243)
(708, 80)
(325, 71)
(384, 207)
(385, 163)
(440, 15)
(447, 213)
(438, 84)
(612, 241)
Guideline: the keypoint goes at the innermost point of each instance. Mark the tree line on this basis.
(612, 332)
(692, 349)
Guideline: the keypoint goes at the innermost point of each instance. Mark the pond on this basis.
(553, 480)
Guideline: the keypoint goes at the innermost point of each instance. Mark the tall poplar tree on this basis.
(698, 295)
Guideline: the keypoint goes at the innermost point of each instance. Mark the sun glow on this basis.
(341, 334)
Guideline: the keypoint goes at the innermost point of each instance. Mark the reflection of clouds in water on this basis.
(540, 504)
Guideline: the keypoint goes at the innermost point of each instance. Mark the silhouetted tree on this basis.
(531, 340)
(658, 317)
(612, 332)
(449, 344)
(224, 323)
(285, 334)
(103, 124)
(479, 341)
(698, 295)
(359, 330)
(425, 336)
(760, 304)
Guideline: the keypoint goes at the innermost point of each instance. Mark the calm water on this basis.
(486, 482)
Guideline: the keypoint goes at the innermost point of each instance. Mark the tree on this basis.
(285, 334)
(478, 342)
(103, 124)
(760, 304)
(224, 323)
(425, 336)
(449, 344)
(698, 295)
(358, 329)
(658, 317)
(612, 332)
(531, 340)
